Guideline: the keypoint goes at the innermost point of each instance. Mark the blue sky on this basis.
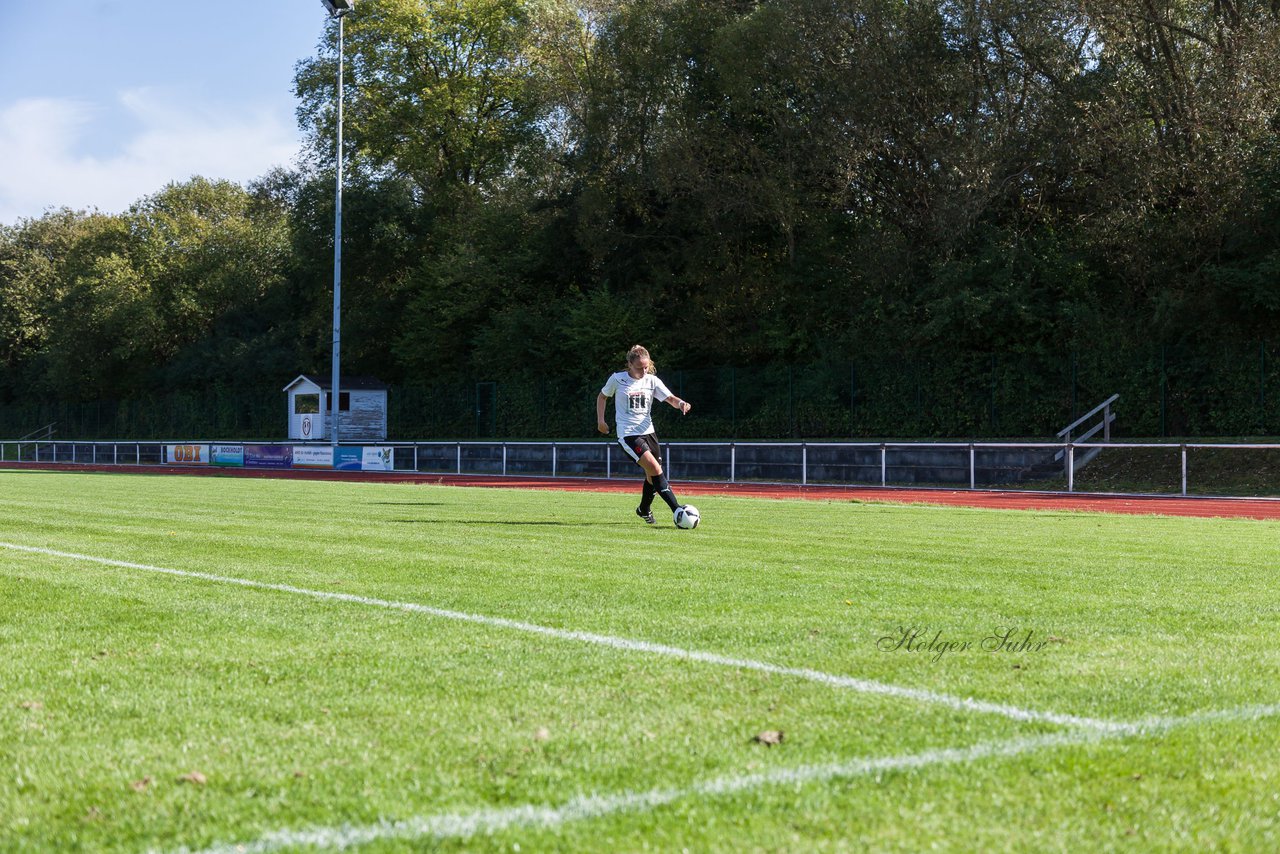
(106, 101)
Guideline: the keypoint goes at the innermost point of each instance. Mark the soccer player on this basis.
(634, 391)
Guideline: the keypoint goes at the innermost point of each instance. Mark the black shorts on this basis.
(635, 446)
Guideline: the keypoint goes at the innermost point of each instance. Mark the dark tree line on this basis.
(537, 184)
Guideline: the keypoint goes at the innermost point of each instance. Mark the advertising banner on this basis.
(226, 455)
(312, 457)
(187, 455)
(268, 456)
(376, 459)
(348, 459)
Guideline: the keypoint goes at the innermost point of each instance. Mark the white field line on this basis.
(864, 686)
(464, 825)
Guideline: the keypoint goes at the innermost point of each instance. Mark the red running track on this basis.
(1246, 508)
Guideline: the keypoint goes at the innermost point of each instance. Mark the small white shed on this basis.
(362, 409)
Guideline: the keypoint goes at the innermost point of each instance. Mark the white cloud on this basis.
(48, 156)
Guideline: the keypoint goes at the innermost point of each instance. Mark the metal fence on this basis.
(1053, 466)
(1202, 391)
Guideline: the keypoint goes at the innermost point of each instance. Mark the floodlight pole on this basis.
(335, 392)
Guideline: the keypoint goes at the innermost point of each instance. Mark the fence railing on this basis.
(939, 464)
(1103, 425)
(45, 432)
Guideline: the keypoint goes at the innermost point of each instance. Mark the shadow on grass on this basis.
(504, 524)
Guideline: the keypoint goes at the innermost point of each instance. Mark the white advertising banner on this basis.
(312, 457)
(376, 459)
(187, 455)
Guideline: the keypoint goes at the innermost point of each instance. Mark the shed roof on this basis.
(345, 383)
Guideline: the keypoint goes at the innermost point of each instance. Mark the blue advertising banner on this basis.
(348, 459)
(268, 456)
(226, 455)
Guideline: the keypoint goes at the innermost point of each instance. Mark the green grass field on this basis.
(163, 707)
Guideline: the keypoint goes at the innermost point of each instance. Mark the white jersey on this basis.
(633, 401)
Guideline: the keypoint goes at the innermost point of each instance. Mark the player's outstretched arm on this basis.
(676, 403)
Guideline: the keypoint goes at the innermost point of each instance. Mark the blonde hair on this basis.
(638, 352)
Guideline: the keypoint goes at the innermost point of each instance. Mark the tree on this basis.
(44, 263)
(442, 91)
(211, 254)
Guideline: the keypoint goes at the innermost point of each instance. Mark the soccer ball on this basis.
(686, 517)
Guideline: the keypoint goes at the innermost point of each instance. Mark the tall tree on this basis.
(442, 91)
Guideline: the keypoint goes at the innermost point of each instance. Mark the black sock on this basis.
(664, 489)
(646, 499)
